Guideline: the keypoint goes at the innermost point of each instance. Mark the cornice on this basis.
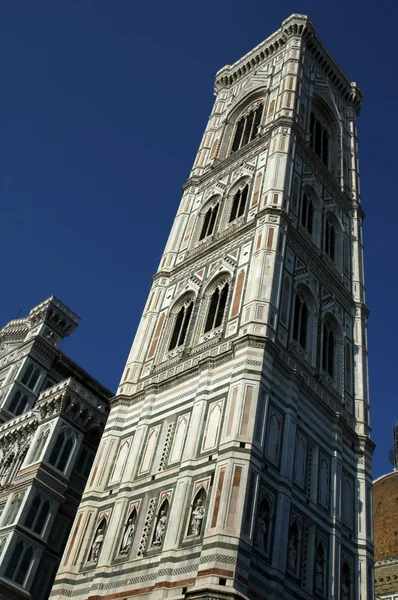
(293, 26)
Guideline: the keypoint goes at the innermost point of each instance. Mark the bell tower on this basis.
(236, 460)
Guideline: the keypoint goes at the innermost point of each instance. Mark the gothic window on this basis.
(84, 462)
(324, 481)
(217, 306)
(300, 460)
(307, 213)
(247, 128)
(62, 450)
(19, 564)
(13, 509)
(39, 445)
(348, 368)
(198, 512)
(239, 203)
(6, 468)
(209, 222)
(31, 376)
(319, 139)
(328, 350)
(330, 239)
(346, 508)
(37, 515)
(300, 321)
(18, 404)
(161, 522)
(98, 541)
(181, 325)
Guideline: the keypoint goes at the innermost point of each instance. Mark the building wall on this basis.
(48, 437)
(237, 460)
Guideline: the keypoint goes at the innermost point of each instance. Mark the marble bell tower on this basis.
(236, 460)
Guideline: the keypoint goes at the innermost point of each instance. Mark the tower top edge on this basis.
(295, 25)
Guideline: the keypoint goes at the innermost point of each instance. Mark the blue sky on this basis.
(103, 105)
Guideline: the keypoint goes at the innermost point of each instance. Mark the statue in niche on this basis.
(160, 525)
(293, 548)
(344, 592)
(197, 517)
(97, 543)
(262, 525)
(319, 570)
(345, 582)
(128, 533)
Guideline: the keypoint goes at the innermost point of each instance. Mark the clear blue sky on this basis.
(103, 105)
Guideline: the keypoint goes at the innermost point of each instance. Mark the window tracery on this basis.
(319, 138)
(19, 403)
(181, 325)
(62, 449)
(217, 305)
(19, 564)
(247, 128)
(239, 203)
(209, 222)
(307, 213)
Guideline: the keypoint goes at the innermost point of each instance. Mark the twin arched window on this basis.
(218, 301)
(62, 450)
(239, 203)
(247, 128)
(31, 376)
(181, 325)
(18, 404)
(19, 564)
(209, 222)
(37, 515)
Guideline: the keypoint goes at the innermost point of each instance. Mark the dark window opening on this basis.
(217, 308)
(330, 240)
(328, 350)
(239, 204)
(319, 140)
(247, 128)
(209, 222)
(307, 214)
(300, 321)
(181, 326)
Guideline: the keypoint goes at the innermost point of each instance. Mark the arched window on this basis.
(40, 443)
(181, 325)
(19, 564)
(33, 379)
(33, 511)
(42, 517)
(217, 306)
(239, 204)
(209, 222)
(62, 450)
(18, 404)
(27, 374)
(247, 128)
(300, 321)
(330, 239)
(319, 139)
(13, 509)
(328, 349)
(307, 213)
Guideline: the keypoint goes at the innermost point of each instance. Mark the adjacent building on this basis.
(52, 415)
(385, 519)
(236, 460)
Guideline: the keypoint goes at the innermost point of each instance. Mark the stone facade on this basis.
(52, 415)
(236, 460)
(385, 519)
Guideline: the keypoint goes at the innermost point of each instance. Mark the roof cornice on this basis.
(295, 25)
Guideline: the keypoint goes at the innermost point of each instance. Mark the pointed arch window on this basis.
(62, 450)
(247, 128)
(328, 350)
(217, 306)
(300, 322)
(18, 404)
(319, 139)
(181, 325)
(209, 222)
(239, 204)
(307, 214)
(37, 515)
(19, 564)
(346, 582)
(330, 239)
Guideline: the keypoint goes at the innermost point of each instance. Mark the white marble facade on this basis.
(236, 459)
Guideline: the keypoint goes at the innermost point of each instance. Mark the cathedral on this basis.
(236, 459)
